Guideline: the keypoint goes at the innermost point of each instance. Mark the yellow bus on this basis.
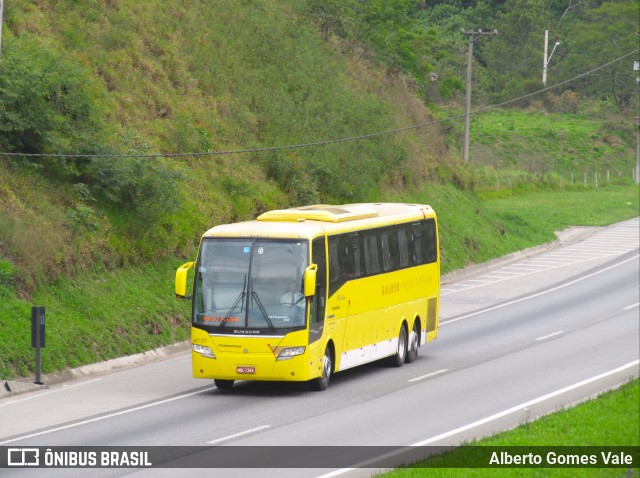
(300, 294)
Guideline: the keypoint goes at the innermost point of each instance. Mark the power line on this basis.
(323, 142)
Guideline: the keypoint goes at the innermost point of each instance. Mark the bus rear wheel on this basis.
(223, 384)
(322, 382)
(398, 359)
(414, 343)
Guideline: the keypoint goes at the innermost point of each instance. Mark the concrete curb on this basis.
(16, 387)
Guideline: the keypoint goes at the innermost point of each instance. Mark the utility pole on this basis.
(473, 35)
(546, 60)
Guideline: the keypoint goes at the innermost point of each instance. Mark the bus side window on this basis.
(371, 253)
(355, 253)
(335, 273)
(403, 247)
(431, 240)
(417, 244)
(388, 262)
(349, 256)
(317, 313)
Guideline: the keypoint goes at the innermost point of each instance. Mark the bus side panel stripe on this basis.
(368, 353)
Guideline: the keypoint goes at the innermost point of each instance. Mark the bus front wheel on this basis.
(397, 360)
(223, 384)
(322, 382)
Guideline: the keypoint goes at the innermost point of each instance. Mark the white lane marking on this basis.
(428, 375)
(550, 335)
(632, 306)
(599, 251)
(236, 435)
(485, 420)
(501, 275)
(104, 417)
(48, 392)
(538, 294)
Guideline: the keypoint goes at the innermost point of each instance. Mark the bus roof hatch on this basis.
(320, 212)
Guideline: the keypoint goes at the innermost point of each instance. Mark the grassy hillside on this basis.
(561, 143)
(152, 77)
(96, 239)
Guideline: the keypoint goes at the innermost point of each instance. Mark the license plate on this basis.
(246, 370)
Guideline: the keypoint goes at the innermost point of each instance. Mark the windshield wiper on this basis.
(254, 294)
(239, 300)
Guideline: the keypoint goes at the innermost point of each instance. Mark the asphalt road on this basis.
(518, 339)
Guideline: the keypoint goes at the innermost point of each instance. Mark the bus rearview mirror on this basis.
(181, 280)
(310, 280)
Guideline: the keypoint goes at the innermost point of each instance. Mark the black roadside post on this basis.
(37, 335)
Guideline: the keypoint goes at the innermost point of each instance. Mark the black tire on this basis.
(223, 384)
(414, 343)
(398, 359)
(321, 383)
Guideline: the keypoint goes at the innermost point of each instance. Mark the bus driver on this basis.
(292, 297)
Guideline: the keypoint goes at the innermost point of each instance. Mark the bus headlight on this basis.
(203, 350)
(290, 352)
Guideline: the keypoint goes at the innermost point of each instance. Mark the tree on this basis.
(514, 56)
(601, 35)
(448, 19)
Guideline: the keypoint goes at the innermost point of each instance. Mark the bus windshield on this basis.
(250, 285)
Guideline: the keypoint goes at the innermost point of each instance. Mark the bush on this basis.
(146, 187)
(47, 105)
(566, 102)
(7, 272)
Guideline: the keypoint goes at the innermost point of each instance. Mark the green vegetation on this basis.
(422, 39)
(117, 83)
(95, 316)
(560, 209)
(509, 142)
(475, 229)
(613, 419)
